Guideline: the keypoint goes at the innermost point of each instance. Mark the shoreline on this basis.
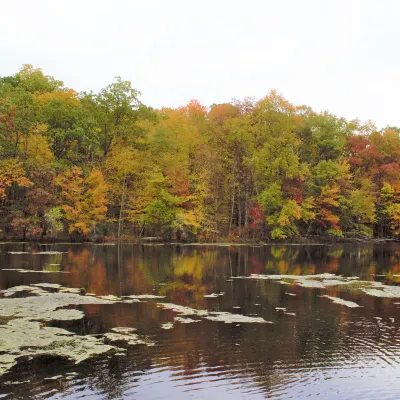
(321, 241)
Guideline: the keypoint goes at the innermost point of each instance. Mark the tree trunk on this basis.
(121, 209)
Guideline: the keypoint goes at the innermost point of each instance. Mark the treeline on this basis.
(105, 166)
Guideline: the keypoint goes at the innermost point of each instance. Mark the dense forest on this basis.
(104, 166)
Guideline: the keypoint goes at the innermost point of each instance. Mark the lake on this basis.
(224, 322)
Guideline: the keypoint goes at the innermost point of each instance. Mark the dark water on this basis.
(325, 351)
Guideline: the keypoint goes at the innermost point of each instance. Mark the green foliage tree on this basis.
(105, 164)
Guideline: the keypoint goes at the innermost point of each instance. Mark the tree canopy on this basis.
(104, 165)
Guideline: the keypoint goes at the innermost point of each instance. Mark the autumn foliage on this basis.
(105, 166)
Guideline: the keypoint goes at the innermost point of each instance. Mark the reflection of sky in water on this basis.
(325, 350)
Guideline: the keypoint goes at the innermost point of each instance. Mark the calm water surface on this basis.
(325, 350)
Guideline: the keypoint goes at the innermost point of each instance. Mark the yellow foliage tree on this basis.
(83, 200)
(12, 173)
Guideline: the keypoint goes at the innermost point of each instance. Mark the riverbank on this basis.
(220, 242)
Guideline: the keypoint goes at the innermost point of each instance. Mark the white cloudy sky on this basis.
(338, 55)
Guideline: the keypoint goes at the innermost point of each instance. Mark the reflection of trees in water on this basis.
(319, 334)
(268, 355)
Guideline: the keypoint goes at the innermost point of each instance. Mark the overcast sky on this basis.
(341, 56)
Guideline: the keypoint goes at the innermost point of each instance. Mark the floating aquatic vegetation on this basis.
(70, 290)
(25, 334)
(48, 285)
(212, 315)
(15, 383)
(323, 281)
(229, 318)
(23, 338)
(53, 378)
(145, 296)
(129, 338)
(17, 290)
(39, 252)
(51, 252)
(291, 277)
(121, 329)
(110, 297)
(47, 306)
(25, 271)
(185, 320)
(214, 295)
(309, 283)
(182, 310)
(383, 291)
(342, 302)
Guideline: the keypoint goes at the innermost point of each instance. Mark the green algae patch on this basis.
(383, 291)
(24, 332)
(51, 252)
(48, 285)
(225, 317)
(185, 320)
(26, 271)
(182, 310)
(128, 338)
(144, 296)
(168, 325)
(324, 281)
(110, 297)
(342, 302)
(229, 318)
(22, 338)
(47, 306)
(214, 295)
